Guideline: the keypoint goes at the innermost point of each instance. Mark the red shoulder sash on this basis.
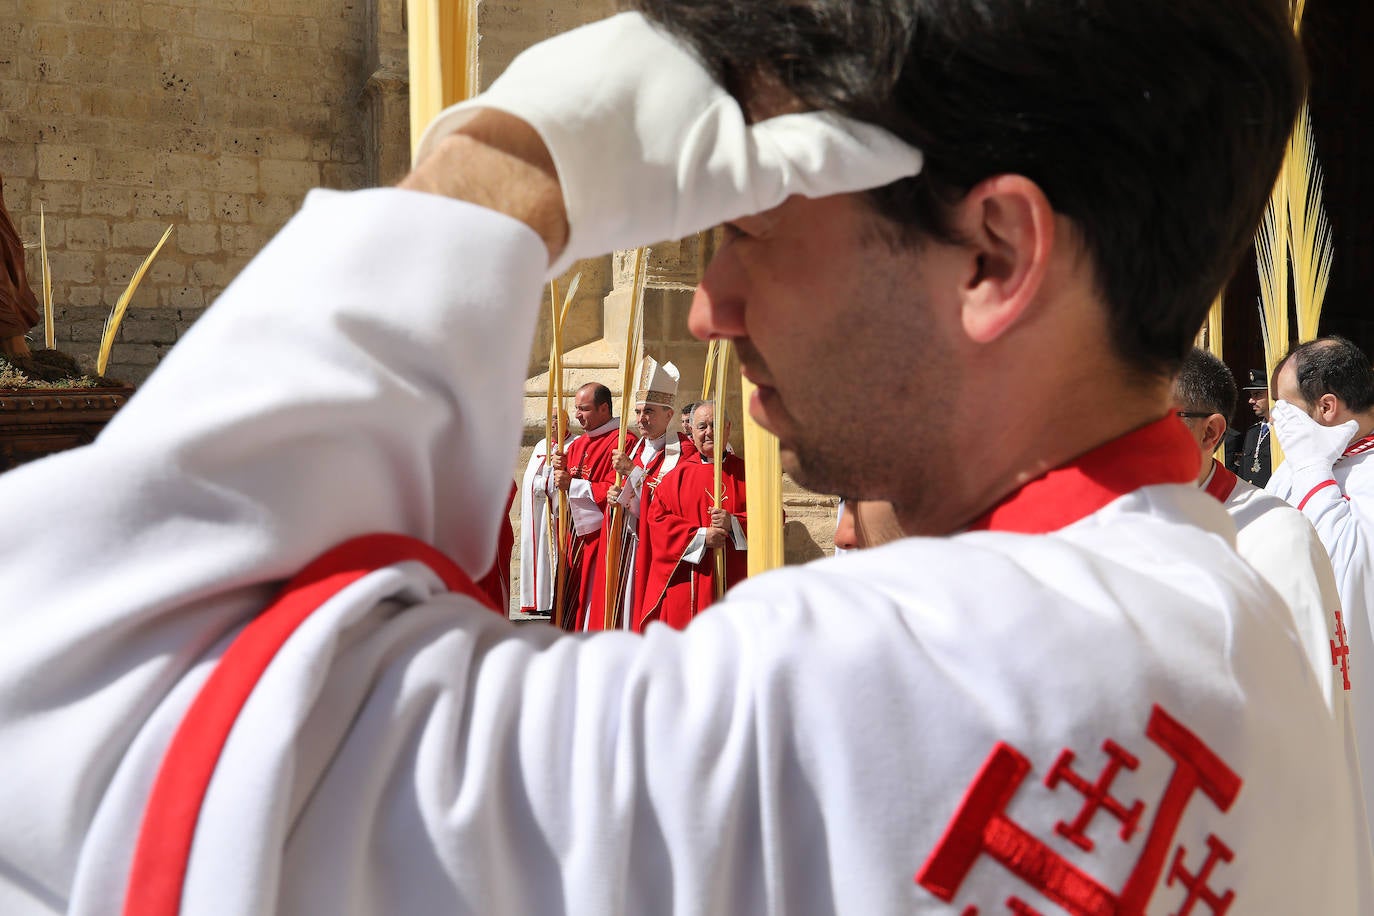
(169, 822)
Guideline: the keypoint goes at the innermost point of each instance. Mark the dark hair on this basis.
(1333, 365)
(1157, 127)
(601, 395)
(690, 408)
(1204, 383)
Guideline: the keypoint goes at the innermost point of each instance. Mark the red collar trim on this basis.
(1161, 452)
(1359, 446)
(1222, 482)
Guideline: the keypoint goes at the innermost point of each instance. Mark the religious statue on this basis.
(18, 305)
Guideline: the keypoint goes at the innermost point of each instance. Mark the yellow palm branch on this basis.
(49, 329)
(116, 317)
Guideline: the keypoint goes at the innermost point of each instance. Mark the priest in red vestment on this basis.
(642, 466)
(585, 472)
(685, 530)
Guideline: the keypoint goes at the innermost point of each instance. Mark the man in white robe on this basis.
(1273, 536)
(1324, 420)
(538, 508)
(1281, 544)
(1070, 695)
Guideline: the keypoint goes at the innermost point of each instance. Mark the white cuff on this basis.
(696, 549)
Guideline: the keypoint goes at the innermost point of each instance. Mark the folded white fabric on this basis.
(1311, 448)
(649, 147)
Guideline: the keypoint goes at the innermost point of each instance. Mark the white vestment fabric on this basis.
(536, 557)
(808, 746)
(1341, 515)
(1283, 547)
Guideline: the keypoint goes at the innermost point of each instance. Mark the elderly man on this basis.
(657, 451)
(686, 530)
(1066, 694)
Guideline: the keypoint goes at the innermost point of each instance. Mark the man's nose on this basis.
(718, 303)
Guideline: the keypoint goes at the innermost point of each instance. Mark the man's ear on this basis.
(1213, 432)
(1008, 226)
(1327, 407)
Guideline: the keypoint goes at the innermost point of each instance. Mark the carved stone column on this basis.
(386, 96)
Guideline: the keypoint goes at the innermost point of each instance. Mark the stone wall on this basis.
(121, 117)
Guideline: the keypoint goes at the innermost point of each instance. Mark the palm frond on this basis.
(112, 323)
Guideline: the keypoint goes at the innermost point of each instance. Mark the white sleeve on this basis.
(587, 516)
(1285, 551)
(363, 374)
(1342, 522)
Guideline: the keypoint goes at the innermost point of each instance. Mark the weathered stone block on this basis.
(88, 329)
(223, 26)
(148, 327)
(89, 234)
(183, 297)
(344, 177)
(106, 201)
(165, 271)
(138, 235)
(14, 94)
(64, 163)
(112, 102)
(197, 206)
(125, 166)
(138, 355)
(159, 204)
(270, 211)
(158, 18)
(244, 241)
(279, 176)
(231, 208)
(48, 38)
(245, 142)
(288, 146)
(236, 173)
(56, 197)
(56, 100)
(78, 70)
(202, 238)
(18, 160)
(72, 266)
(295, 31)
(177, 170)
(85, 296)
(29, 230)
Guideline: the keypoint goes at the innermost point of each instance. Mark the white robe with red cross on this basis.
(1283, 547)
(1340, 506)
(1090, 704)
(538, 507)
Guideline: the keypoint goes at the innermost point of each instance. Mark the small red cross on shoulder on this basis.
(1340, 651)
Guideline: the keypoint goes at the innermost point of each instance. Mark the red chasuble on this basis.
(658, 465)
(675, 589)
(589, 458)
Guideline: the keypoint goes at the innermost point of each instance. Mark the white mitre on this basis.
(657, 384)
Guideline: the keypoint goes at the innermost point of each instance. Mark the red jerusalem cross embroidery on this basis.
(981, 827)
(1197, 884)
(1097, 796)
(1340, 651)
